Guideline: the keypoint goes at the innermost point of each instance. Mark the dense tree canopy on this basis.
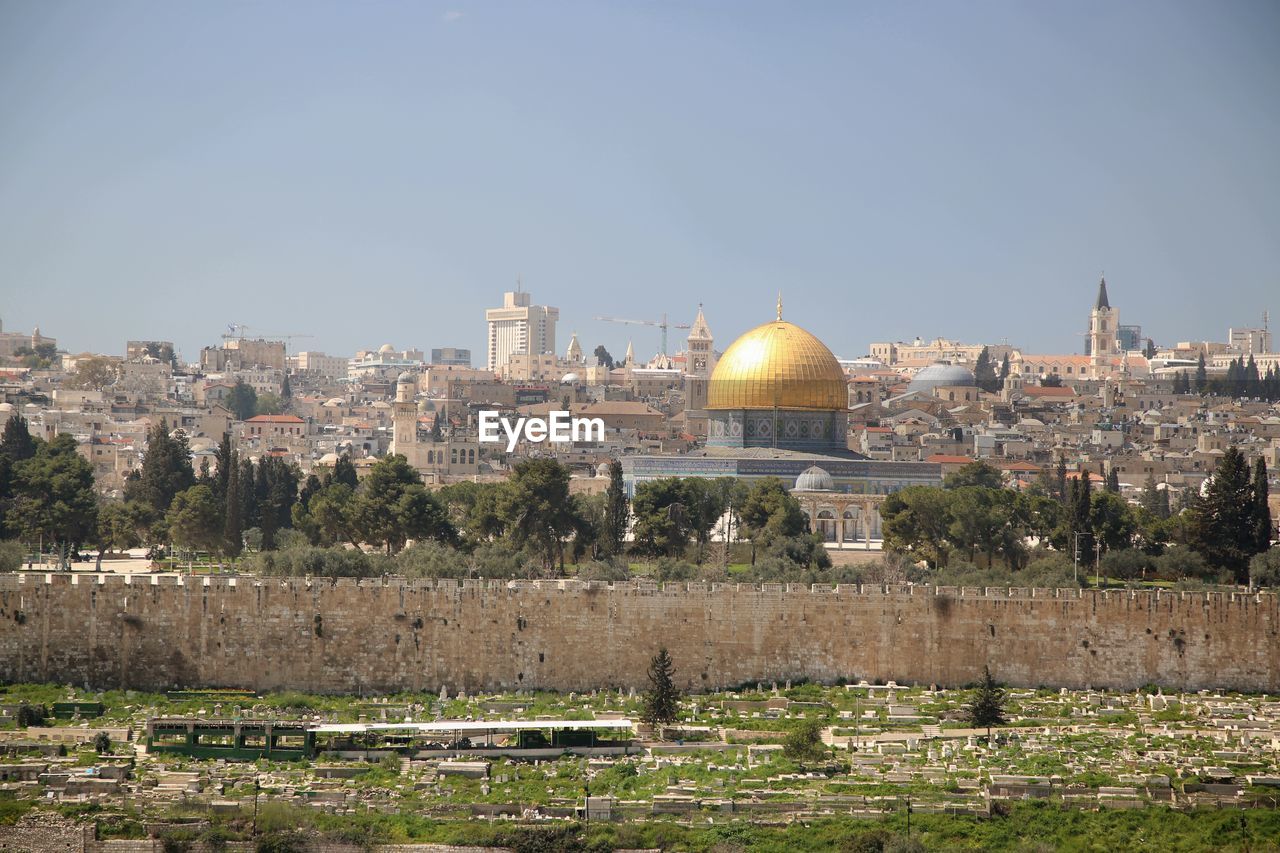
(1224, 521)
(53, 496)
(193, 520)
(165, 470)
(391, 507)
(538, 508)
(242, 401)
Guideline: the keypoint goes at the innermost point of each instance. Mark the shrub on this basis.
(610, 569)
(10, 556)
(671, 569)
(1053, 570)
(804, 742)
(1264, 568)
(488, 560)
(290, 538)
(431, 560)
(102, 743)
(30, 715)
(317, 562)
(1179, 561)
(1127, 564)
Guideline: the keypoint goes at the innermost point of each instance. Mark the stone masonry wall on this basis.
(371, 636)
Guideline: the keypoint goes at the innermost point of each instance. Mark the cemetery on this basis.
(139, 765)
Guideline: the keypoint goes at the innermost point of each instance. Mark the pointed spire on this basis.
(1102, 295)
(779, 304)
(630, 356)
(700, 331)
(574, 352)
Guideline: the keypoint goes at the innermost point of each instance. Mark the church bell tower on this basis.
(1104, 328)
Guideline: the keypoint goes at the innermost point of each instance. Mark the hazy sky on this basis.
(370, 172)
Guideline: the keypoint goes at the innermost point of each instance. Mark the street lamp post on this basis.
(1075, 576)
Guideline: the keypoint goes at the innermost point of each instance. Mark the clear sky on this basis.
(370, 172)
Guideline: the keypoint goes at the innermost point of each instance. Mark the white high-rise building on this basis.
(519, 327)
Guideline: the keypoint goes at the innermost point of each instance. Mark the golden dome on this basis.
(778, 365)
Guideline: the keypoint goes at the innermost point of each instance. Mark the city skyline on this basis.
(894, 172)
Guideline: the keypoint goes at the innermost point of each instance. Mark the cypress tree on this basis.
(345, 472)
(1062, 479)
(166, 468)
(662, 702)
(1224, 528)
(310, 487)
(264, 486)
(1261, 508)
(226, 461)
(615, 512)
(1154, 499)
(1202, 376)
(1083, 498)
(1113, 481)
(984, 373)
(232, 507)
(17, 443)
(248, 494)
(987, 708)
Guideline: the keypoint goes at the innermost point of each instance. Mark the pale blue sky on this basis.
(380, 171)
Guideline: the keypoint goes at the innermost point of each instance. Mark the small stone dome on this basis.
(939, 375)
(602, 470)
(569, 379)
(814, 479)
(386, 348)
(406, 378)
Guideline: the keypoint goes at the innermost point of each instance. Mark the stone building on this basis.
(453, 455)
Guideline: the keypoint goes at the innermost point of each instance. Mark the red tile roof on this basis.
(275, 419)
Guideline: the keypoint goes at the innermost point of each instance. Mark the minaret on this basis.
(1104, 324)
(405, 416)
(699, 362)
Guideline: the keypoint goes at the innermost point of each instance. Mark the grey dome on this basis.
(940, 374)
(814, 479)
(406, 378)
(602, 470)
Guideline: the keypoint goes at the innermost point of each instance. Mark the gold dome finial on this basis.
(779, 304)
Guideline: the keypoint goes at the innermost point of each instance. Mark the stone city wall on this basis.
(344, 636)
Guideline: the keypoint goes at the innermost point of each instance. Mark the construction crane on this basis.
(236, 331)
(661, 324)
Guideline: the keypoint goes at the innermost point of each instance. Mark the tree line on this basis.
(974, 518)
(1243, 379)
(47, 492)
